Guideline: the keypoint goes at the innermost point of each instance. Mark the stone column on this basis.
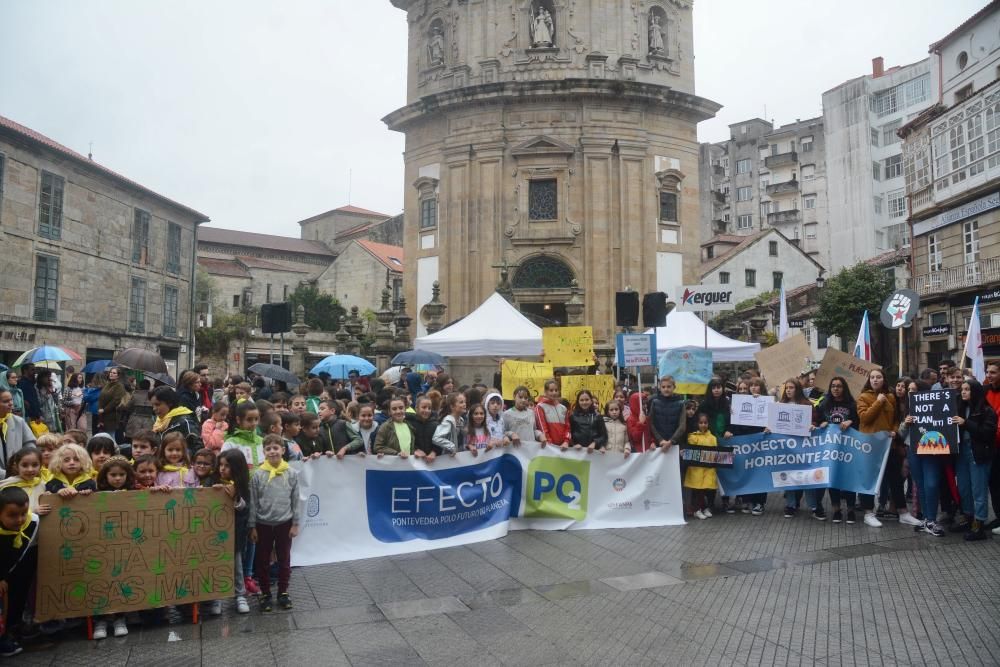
(402, 321)
(342, 337)
(300, 349)
(435, 309)
(354, 327)
(575, 307)
(383, 334)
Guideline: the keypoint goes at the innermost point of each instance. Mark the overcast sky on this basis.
(256, 111)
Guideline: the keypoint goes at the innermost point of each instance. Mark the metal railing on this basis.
(968, 275)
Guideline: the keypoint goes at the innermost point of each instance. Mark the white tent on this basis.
(685, 329)
(495, 329)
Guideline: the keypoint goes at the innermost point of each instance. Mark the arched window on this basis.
(543, 272)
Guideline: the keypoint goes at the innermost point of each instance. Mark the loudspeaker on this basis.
(276, 318)
(626, 309)
(654, 309)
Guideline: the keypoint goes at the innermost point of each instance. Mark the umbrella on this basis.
(162, 378)
(97, 366)
(413, 357)
(392, 374)
(339, 365)
(141, 359)
(276, 372)
(44, 353)
(4, 368)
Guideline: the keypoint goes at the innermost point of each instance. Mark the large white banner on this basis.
(362, 507)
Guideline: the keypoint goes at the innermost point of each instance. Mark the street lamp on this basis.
(820, 280)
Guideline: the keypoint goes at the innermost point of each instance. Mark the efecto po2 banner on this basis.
(829, 458)
(362, 507)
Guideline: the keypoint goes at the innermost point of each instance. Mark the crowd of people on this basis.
(238, 435)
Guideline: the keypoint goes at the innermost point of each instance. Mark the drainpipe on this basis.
(194, 269)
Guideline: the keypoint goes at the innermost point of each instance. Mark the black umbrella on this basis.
(417, 357)
(276, 372)
(162, 378)
(141, 359)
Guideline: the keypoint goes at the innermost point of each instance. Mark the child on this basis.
(173, 461)
(310, 444)
(478, 436)
(270, 422)
(666, 415)
(395, 437)
(243, 390)
(586, 425)
(550, 415)
(144, 444)
(75, 437)
(70, 468)
(701, 481)
(202, 473)
(48, 444)
(115, 475)
(422, 421)
(24, 471)
(274, 520)
(448, 435)
(146, 471)
(101, 448)
(614, 424)
(367, 428)
(244, 437)
(519, 421)
(494, 420)
(298, 405)
(289, 430)
(640, 435)
(213, 431)
(235, 480)
(18, 559)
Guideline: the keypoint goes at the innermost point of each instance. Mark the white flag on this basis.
(974, 345)
(783, 320)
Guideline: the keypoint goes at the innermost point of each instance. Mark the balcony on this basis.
(786, 188)
(719, 197)
(783, 217)
(975, 274)
(781, 160)
(718, 170)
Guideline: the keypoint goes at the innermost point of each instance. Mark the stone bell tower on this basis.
(553, 141)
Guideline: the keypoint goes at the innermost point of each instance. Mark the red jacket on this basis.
(553, 421)
(993, 398)
(639, 435)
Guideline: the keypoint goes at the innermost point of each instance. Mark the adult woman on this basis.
(91, 398)
(893, 481)
(172, 417)
(445, 384)
(111, 404)
(876, 413)
(189, 390)
(47, 403)
(925, 470)
(140, 412)
(8, 382)
(72, 402)
(978, 427)
(837, 407)
(792, 392)
(715, 404)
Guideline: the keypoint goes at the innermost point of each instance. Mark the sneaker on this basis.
(700, 515)
(746, 509)
(851, 516)
(9, 647)
(934, 529)
(215, 608)
(789, 512)
(757, 509)
(976, 532)
(251, 586)
(960, 525)
(266, 604)
(284, 601)
(100, 630)
(993, 525)
(908, 519)
(886, 515)
(242, 606)
(838, 516)
(121, 628)
(996, 531)
(871, 520)
(730, 509)
(819, 514)
(707, 512)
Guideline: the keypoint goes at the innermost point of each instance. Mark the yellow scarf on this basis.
(3, 424)
(273, 471)
(80, 479)
(46, 475)
(172, 468)
(27, 483)
(163, 422)
(19, 534)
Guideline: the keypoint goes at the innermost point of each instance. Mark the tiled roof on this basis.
(969, 22)
(268, 241)
(715, 262)
(890, 258)
(356, 230)
(723, 238)
(350, 210)
(257, 263)
(223, 267)
(390, 255)
(37, 137)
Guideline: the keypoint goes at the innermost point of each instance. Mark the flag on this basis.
(783, 321)
(974, 345)
(863, 346)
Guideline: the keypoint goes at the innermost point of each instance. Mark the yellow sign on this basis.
(601, 386)
(568, 346)
(524, 373)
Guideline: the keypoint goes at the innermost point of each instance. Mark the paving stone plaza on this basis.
(732, 590)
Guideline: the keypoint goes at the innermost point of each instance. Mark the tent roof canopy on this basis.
(495, 328)
(685, 329)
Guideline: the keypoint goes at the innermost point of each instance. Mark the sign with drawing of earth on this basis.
(933, 442)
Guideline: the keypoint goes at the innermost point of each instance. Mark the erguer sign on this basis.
(704, 298)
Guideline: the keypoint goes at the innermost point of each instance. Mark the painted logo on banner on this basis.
(557, 489)
(437, 504)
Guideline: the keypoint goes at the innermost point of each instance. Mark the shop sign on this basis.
(937, 330)
(22, 335)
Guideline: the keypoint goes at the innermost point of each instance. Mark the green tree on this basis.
(323, 311)
(215, 339)
(846, 297)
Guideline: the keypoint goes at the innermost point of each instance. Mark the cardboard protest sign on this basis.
(785, 360)
(747, 410)
(837, 363)
(601, 386)
(568, 346)
(789, 418)
(933, 431)
(691, 368)
(109, 552)
(523, 373)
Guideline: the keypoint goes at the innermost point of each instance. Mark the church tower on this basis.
(547, 142)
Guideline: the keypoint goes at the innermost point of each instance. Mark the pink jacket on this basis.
(213, 434)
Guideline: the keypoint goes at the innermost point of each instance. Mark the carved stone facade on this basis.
(580, 155)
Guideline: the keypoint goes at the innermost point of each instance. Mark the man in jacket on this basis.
(26, 384)
(14, 431)
(992, 385)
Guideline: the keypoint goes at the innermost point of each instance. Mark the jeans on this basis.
(926, 472)
(278, 540)
(973, 482)
(814, 498)
(916, 479)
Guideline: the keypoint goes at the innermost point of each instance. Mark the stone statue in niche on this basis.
(656, 46)
(435, 47)
(542, 29)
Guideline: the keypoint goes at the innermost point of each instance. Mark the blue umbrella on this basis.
(339, 365)
(417, 357)
(97, 366)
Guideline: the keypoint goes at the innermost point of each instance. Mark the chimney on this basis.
(878, 67)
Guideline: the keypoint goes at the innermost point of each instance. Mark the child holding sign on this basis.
(24, 470)
(115, 475)
(70, 469)
(701, 481)
(520, 421)
(586, 424)
(551, 416)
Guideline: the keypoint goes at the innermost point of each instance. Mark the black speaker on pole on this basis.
(654, 309)
(626, 309)
(276, 318)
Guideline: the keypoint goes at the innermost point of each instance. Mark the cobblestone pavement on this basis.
(732, 590)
